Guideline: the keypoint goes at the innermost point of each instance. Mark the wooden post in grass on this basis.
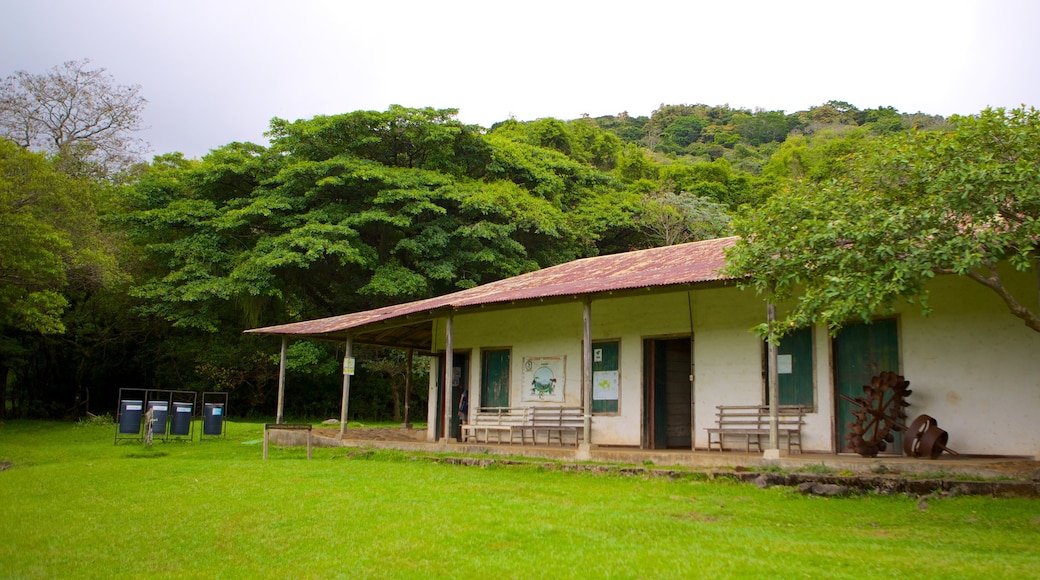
(149, 417)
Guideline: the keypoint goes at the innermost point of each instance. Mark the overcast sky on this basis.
(217, 71)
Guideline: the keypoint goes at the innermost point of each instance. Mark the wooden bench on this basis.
(555, 421)
(752, 423)
(497, 420)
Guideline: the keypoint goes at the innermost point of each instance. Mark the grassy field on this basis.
(74, 505)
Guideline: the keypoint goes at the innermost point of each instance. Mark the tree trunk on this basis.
(3, 390)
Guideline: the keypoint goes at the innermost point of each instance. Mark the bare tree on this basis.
(81, 116)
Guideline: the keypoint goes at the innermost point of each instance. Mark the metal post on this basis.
(281, 379)
(774, 382)
(449, 364)
(586, 368)
(348, 352)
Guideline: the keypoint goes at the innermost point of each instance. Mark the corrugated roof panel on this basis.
(667, 266)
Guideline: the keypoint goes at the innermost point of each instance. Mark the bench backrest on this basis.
(556, 416)
(500, 416)
(758, 415)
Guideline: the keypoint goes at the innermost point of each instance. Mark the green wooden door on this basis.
(494, 378)
(862, 351)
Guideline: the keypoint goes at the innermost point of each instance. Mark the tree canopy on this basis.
(910, 206)
(80, 115)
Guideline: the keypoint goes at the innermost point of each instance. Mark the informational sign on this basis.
(597, 355)
(543, 379)
(784, 364)
(349, 363)
(605, 386)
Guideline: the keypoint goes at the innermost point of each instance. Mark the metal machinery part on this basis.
(881, 409)
(924, 438)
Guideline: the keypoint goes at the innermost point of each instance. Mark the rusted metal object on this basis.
(924, 438)
(882, 410)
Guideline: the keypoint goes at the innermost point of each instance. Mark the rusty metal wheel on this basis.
(882, 409)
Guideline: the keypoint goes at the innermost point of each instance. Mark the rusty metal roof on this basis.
(406, 325)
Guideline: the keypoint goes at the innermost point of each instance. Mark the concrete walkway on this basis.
(946, 466)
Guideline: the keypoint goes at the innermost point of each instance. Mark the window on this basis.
(494, 378)
(795, 369)
(606, 378)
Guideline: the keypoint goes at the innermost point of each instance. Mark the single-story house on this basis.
(649, 343)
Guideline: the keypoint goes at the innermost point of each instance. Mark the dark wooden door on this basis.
(668, 414)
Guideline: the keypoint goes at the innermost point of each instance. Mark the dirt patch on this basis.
(375, 434)
(1025, 470)
(4, 465)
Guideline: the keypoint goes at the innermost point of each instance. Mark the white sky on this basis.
(217, 71)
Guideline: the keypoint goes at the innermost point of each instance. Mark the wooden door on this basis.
(862, 351)
(668, 394)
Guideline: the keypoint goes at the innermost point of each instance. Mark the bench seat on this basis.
(751, 423)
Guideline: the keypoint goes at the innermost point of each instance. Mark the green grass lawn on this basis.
(72, 504)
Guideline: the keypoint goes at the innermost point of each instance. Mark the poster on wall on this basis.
(605, 386)
(543, 379)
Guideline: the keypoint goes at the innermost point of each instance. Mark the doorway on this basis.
(861, 352)
(667, 394)
(459, 381)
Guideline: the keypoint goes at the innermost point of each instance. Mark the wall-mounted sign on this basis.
(544, 379)
(349, 363)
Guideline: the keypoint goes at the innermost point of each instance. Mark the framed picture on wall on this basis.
(544, 379)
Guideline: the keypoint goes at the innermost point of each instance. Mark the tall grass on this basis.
(72, 504)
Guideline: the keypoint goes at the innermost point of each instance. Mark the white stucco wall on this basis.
(975, 368)
(971, 365)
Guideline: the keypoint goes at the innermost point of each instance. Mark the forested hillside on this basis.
(169, 260)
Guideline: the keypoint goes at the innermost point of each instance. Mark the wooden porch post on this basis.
(348, 352)
(449, 364)
(407, 382)
(281, 379)
(774, 385)
(586, 368)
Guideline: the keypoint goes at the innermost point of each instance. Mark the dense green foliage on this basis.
(849, 244)
(74, 505)
(349, 212)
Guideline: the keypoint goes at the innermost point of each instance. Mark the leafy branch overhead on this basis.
(910, 206)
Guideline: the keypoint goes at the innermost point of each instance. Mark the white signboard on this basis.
(605, 386)
(543, 379)
(784, 364)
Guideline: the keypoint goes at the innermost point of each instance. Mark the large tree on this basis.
(78, 114)
(51, 246)
(913, 205)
